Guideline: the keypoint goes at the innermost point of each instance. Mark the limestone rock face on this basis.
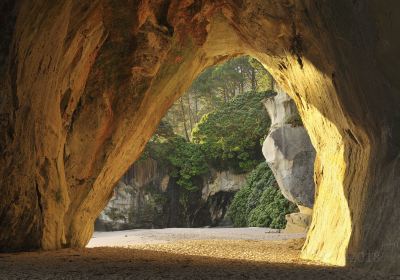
(218, 190)
(83, 85)
(141, 199)
(298, 222)
(289, 152)
(146, 197)
(223, 181)
(116, 214)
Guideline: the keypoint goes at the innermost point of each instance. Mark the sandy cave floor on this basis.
(179, 254)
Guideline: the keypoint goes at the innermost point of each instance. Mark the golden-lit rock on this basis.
(83, 85)
(298, 222)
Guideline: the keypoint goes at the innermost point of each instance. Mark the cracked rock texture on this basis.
(83, 85)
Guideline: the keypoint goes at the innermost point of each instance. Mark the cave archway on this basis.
(85, 84)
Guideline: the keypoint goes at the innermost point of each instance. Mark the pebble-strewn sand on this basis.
(157, 236)
(177, 259)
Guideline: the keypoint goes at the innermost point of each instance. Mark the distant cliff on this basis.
(147, 197)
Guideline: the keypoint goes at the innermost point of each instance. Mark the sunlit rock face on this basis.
(224, 181)
(290, 155)
(85, 83)
(288, 151)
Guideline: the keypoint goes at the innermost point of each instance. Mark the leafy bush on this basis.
(184, 160)
(230, 136)
(260, 203)
(189, 162)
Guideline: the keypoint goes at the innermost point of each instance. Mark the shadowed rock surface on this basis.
(147, 197)
(141, 199)
(85, 83)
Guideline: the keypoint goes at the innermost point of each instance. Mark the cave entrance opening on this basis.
(85, 83)
(204, 166)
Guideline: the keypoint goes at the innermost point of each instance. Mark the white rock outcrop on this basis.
(224, 181)
(290, 155)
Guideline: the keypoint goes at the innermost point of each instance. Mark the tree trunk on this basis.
(225, 95)
(196, 108)
(253, 80)
(190, 113)
(184, 118)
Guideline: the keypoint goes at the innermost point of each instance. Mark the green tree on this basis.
(230, 136)
(184, 160)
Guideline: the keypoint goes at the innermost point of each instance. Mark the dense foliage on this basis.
(260, 202)
(185, 160)
(230, 136)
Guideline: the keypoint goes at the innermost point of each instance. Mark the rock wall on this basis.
(140, 199)
(288, 150)
(218, 190)
(290, 155)
(146, 197)
(224, 181)
(85, 83)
